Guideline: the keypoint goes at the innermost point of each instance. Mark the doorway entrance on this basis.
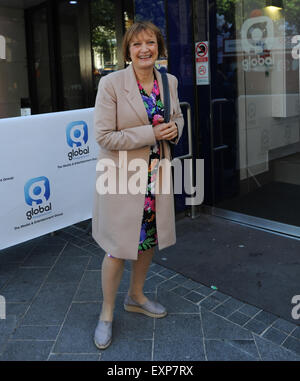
(254, 112)
(70, 46)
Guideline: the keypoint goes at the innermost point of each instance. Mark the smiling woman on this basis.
(129, 116)
(143, 51)
(139, 30)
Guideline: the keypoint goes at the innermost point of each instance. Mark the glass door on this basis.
(109, 21)
(38, 59)
(255, 108)
(71, 45)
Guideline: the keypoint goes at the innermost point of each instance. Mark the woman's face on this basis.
(143, 50)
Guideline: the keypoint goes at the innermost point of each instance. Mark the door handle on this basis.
(190, 145)
(219, 100)
(189, 131)
(219, 148)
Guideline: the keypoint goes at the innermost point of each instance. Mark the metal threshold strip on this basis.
(290, 231)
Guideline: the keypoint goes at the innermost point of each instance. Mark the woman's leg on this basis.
(138, 275)
(111, 274)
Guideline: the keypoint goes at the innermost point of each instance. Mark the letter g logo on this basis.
(77, 133)
(257, 34)
(296, 49)
(37, 190)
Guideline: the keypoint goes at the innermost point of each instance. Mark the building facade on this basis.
(237, 63)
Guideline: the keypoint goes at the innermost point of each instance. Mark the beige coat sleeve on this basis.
(105, 125)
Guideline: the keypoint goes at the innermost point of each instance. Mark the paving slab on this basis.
(26, 350)
(7, 327)
(90, 287)
(216, 327)
(24, 284)
(76, 334)
(129, 350)
(176, 326)
(293, 344)
(174, 303)
(270, 352)
(67, 269)
(32, 332)
(17, 253)
(51, 304)
(184, 349)
(223, 350)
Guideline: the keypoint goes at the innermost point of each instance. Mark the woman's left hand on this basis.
(169, 131)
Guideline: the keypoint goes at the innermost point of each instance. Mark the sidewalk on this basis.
(52, 287)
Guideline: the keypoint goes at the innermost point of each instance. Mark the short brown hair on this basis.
(135, 29)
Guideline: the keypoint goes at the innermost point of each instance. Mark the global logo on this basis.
(296, 49)
(251, 111)
(37, 192)
(77, 137)
(257, 36)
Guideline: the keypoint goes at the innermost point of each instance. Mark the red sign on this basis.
(201, 52)
(201, 49)
(202, 70)
(202, 62)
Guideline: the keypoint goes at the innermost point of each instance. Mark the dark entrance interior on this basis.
(70, 45)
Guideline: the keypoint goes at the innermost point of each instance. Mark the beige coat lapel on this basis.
(135, 100)
(133, 95)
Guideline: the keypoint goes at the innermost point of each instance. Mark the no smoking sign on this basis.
(202, 70)
(202, 63)
(201, 49)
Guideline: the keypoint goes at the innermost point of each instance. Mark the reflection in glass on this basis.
(41, 60)
(109, 20)
(69, 20)
(258, 71)
(104, 41)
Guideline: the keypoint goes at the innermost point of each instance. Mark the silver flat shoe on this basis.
(103, 334)
(150, 308)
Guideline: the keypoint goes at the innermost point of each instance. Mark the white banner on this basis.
(47, 173)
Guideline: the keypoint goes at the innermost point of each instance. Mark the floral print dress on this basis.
(155, 109)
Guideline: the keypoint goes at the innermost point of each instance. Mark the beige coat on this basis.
(121, 124)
